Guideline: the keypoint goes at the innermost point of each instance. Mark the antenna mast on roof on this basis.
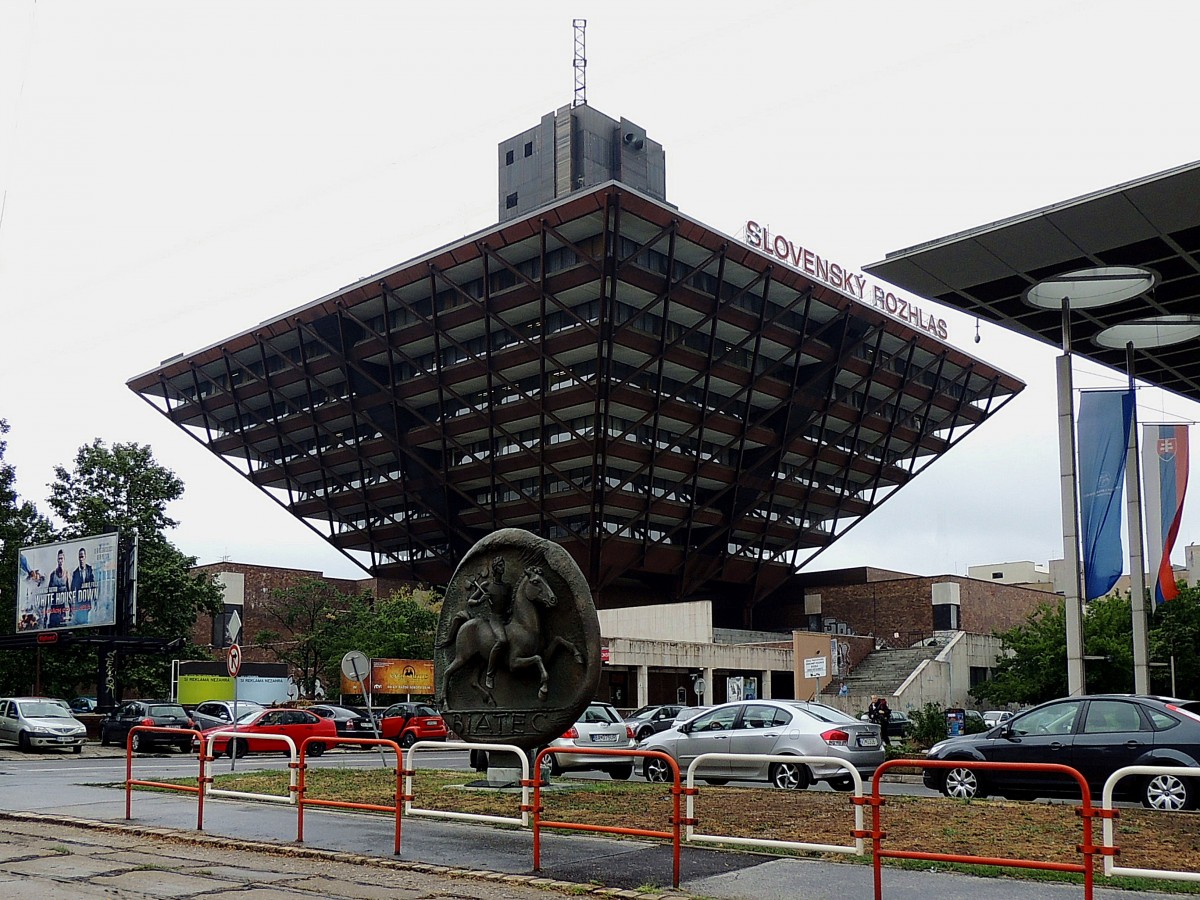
(580, 63)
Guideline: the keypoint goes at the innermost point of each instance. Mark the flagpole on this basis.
(1137, 563)
(1070, 510)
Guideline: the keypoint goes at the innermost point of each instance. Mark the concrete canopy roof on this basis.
(1152, 223)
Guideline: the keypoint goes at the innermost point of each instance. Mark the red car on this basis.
(297, 724)
(407, 723)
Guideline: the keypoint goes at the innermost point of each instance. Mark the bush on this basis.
(928, 725)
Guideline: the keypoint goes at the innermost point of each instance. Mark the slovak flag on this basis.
(1165, 472)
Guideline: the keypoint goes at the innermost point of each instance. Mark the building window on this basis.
(945, 617)
(529, 148)
(510, 201)
(508, 158)
(979, 674)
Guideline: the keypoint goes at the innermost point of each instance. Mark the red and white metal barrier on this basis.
(856, 799)
(1108, 845)
(206, 760)
(302, 800)
(676, 819)
(410, 771)
(1084, 810)
(130, 781)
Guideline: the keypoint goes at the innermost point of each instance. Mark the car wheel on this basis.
(103, 737)
(238, 749)
(845, 783)
(316, 749)
(716, 782)
(408, 740)
(546, 768)
(1169, 793)
(646, 732)
(657, 771)
(136, 744)
(789, 776)
(77, 749)
(23, 742)
(184, 746)
(621, 773)
(962, 784)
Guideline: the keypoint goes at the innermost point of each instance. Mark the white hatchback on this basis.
(600, 726)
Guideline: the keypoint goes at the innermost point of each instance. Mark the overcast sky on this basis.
(175, 173)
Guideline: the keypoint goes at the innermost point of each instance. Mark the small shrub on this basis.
(928, 725)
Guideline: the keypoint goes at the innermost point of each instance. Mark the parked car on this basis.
(651, 719)
(690, 712)
(407, 723)
(83, 704)
(115, 727)
(600, 725)
(217, 713)
(768, 728)
(36, 722)
(994, 717)
(1096, 735)
(898, 725)
(297, 724)
(347, 722)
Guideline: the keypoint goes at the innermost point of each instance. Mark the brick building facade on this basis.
(900, 610)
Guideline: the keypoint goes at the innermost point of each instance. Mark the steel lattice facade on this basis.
(687, 416)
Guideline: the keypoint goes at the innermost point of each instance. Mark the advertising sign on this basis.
(402, 676)
(70, 584)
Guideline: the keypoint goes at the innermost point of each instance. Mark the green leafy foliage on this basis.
(1034, 668)
(927, 725)
(122, 488)
(313, 625)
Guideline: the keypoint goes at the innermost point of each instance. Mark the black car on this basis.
(899, 724)
(115, 727)
(1095, 735)
(348, 722)
(651, 719)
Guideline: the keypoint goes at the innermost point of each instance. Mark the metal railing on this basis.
(856, 800)
(1085, 811)
(130, 781)
(302, 800)
(1108, 846)
(410, 771)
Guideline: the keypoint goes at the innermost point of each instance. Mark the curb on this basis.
(174, 835)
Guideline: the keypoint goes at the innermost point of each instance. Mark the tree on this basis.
(21, 525)
(1034, 665)
(124, 489)
(303, 620)
(314, 625)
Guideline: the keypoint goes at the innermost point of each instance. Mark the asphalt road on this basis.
(66, 791)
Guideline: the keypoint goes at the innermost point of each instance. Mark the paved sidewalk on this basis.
(60, 860)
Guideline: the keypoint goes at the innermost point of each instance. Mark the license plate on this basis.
(431, 723)
(604, 738)
(62, 740)
(868, 742)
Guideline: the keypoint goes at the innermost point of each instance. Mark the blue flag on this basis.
(1104, 421)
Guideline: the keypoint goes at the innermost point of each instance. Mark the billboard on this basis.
(396, 676)
(69, 584)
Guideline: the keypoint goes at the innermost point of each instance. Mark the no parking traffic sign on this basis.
(233, 662)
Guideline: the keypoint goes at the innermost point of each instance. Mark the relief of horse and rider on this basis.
(500, 627)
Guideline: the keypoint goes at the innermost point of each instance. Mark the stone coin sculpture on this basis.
(517, 654)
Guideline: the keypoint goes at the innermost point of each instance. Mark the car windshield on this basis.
(249, 716)
(44, 709)
(826, 713)
(644, 713)
(427, 711)
(601, 714)
(167, 710)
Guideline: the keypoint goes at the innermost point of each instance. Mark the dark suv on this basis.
(115, 727)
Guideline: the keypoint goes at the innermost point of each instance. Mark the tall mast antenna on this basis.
(580, 26)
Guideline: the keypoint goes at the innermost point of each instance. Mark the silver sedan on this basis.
(767, 728)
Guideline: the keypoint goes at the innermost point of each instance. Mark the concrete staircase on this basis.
(881, 672)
